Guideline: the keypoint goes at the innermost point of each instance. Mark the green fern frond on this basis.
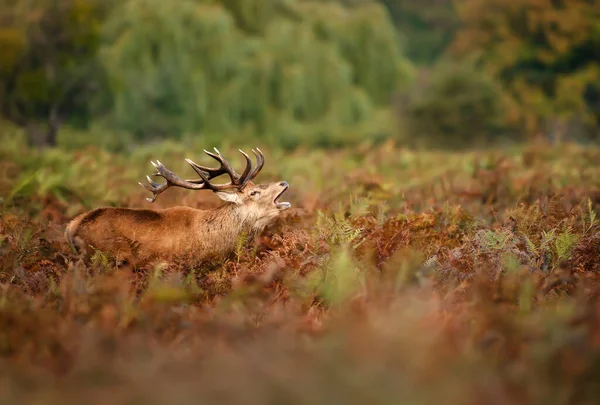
(531, 248)
(547, 239)
(564, 244)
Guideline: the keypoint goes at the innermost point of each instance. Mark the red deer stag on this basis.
(135, 237)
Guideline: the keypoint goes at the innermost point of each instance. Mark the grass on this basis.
(398, 277)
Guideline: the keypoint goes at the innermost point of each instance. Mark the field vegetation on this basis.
(398, 276)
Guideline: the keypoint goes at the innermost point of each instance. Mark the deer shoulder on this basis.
(182, 234)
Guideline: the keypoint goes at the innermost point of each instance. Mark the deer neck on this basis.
(228, 222)
(250, 221)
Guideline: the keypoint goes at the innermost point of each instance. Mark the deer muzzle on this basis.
(284, 205)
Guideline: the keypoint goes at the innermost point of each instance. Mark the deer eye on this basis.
(252, 194)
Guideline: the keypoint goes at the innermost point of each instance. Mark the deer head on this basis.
(257, 203)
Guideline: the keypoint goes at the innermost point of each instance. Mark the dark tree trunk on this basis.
(34, 134)
(53, 124)
(44, 135)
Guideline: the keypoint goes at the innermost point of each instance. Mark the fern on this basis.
(591, 217)
(558, 245)
(336, 230)
(21, 185)
(338, 280)
(547, 239)
(531, 248)
(564, 244)
(494, 240)
(431, 262)
(591, 213)
(101, 260)
(239, 245)
(360, 206)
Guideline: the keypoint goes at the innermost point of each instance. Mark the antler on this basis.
(206, 174)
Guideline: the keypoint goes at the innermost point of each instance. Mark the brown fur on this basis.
(180, 234)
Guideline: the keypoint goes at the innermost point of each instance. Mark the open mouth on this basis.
(284, 205)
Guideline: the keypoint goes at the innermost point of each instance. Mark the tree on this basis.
(428, 26)
(458, 106)
(272, 66)
(50, 69)
(545, 52)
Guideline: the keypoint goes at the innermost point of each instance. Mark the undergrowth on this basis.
(398, 277)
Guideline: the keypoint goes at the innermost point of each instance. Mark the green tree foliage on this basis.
(457, 106)
(290, 68)
(252, 16)
(427, 25)
(366, 39)
(546, 53)
(47, 64)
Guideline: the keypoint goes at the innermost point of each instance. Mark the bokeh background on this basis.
(329, 73)
(444, 238)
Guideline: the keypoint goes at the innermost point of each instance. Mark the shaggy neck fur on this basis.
(231, 221)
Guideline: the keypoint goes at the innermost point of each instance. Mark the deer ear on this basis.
(229, 197)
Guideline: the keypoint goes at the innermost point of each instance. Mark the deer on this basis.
(136, 237)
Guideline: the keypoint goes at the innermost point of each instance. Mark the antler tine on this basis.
(212, 172)
(225, 167)
(172, 180)
(260, 162)
(205, 177)
(247, 169)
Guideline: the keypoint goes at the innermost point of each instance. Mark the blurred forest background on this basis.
(437, 73)
(399, 275)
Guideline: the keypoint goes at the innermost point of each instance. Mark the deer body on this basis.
(181, 234)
